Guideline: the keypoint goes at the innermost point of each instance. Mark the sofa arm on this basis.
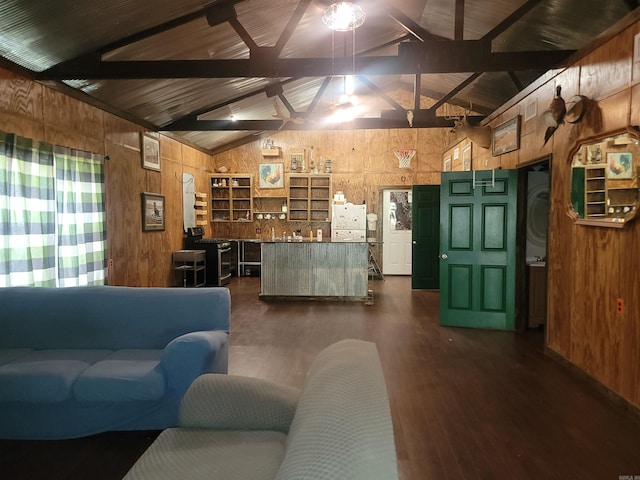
(230, 402)
(193, 354)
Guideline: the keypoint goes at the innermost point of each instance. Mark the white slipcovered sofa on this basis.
(337, 427)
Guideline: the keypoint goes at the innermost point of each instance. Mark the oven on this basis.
(218, 255)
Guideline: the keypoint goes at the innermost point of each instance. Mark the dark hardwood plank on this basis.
(466, 404)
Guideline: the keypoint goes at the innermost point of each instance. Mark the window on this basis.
(52, 215)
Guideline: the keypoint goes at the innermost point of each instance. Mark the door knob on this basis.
(444, 256)
(414, 242)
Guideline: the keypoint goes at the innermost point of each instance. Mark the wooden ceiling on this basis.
(216, 73)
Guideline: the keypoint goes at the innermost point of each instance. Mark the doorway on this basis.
(396, 231)
(535, 180)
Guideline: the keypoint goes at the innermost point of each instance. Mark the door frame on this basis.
(522, 293)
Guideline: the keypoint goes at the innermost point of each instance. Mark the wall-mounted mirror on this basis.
(604, 180)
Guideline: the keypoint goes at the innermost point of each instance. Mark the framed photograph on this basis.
(152, 212)
(636, 48)
(506, 137)
(150, 151)
(271, 175)
(619, 165)
(446, 167)
(466, 158)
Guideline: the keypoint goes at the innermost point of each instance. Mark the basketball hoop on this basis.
(404, 156)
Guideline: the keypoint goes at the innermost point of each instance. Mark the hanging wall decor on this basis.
(150, 151)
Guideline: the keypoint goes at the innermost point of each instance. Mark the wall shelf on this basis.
(231, 198)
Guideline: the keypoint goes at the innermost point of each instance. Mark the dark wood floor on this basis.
(466, 404)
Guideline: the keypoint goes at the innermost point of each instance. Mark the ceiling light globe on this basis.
(343, 16)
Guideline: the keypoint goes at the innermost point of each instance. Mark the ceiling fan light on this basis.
(343, 16)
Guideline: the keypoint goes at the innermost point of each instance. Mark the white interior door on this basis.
(396, 232)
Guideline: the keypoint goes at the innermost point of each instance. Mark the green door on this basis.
(477, 249)
(425, 232)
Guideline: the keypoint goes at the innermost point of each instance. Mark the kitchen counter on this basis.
(312, 270)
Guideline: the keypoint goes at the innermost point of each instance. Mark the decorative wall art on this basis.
(619, 165)
(271, 175)
(466, 158)
(152, 212)
(150, 151)
(446, 167)
(506, 136)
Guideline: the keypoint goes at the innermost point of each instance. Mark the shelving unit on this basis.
(309, 197)
(231, 198)
(595, 191)
(201, 208)
(599, 197)
(271, 206)
(191, 265)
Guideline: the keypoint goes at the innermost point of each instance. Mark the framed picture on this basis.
(466, 158)
(152, 212)
(446, 167)
(506, 137)
(150, 151)
(271, 175)
(619, 165)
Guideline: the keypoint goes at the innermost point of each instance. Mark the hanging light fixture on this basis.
(343, 16)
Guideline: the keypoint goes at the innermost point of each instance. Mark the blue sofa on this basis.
(83, 360)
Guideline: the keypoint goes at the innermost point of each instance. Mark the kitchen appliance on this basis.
(348, 223)
(218, 256)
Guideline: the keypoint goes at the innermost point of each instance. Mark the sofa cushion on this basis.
(45, 375)
(211, 454)
(10, 354)
(124, 375)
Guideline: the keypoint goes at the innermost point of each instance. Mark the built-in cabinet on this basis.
(594, 196)
(309, 197)
(231, 198)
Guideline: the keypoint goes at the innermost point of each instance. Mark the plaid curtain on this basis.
(80, 217)
(27, 207)
(52, 224)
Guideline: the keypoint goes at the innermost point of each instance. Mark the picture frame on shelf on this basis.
(506, 137)
(271, 175)
(150, 151)
(153, 212)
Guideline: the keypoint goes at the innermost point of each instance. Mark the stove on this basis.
(218, 255)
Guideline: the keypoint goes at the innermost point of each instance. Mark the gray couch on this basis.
(338, 427)
(82, 360)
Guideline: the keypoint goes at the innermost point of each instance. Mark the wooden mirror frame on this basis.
(604, 186)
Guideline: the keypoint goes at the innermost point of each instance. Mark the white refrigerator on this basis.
(348, 223)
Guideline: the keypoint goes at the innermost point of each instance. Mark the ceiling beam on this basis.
(444, 57)
(390, 119)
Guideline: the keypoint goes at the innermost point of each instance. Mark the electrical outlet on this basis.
(620, 305)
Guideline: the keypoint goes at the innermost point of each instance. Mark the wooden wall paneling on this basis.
(595, 334)
(634, 115)
(562, 249)
(607, 70)
(20, 125)
(118, 131)
(124, 180)
(71, 123)
(627, 322)
(22, 99)
(615, 110)
(380, 155)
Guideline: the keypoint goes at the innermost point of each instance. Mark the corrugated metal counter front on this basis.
(333, 270)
